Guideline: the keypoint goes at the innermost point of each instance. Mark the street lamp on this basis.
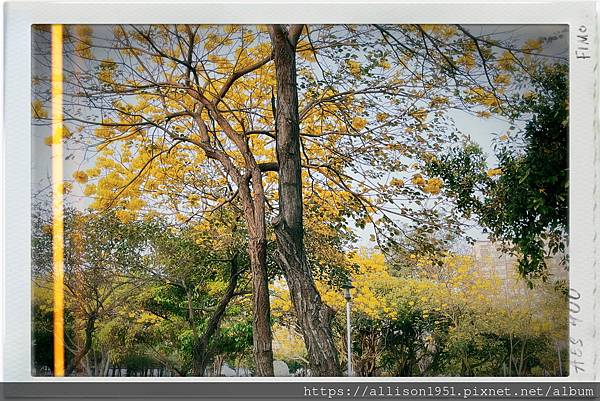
(347, 287)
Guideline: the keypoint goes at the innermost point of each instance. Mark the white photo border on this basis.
(584, 214)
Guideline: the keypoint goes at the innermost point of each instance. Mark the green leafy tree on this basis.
(523, 201)
(100, 251)
(194, 275)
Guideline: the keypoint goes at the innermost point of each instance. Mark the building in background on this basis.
(491, 259)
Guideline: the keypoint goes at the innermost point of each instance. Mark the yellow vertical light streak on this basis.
(57, 199)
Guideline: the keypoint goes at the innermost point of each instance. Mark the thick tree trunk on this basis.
(313, 315)
(201, 358)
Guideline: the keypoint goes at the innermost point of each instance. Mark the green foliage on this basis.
(524, 200)
(143, 291)
(42, 332)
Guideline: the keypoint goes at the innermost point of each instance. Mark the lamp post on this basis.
(347, 287)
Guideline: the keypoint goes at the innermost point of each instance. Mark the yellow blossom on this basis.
(359, 123)
(385, 64)
(354, 68)
(103, 132)
(80, 176)
(380, 117)
(532, 45)
(66, 187)
(89, 190)
(502, 79)
(419, 115)
(417, 179)
(125, 216)
(37, 109)
(433, 186)
(506, 61)
(397, 182)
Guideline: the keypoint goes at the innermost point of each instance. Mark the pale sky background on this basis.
(481, 130)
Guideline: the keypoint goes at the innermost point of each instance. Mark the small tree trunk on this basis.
(313, 315)
(253, 202)
(106, 362)
(90, 327)
(261, 323)
(264, 359)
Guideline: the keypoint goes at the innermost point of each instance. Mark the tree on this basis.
(314, 316)
(98, 260)
(186, 118)
(195, 280)
(134, 284)
(523, 201)
(42, 329)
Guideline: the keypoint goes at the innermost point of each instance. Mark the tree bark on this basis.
(253, 203)
(314, 316)
(261, 323)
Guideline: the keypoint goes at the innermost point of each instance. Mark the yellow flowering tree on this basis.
(187, 118)
(456, 317)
